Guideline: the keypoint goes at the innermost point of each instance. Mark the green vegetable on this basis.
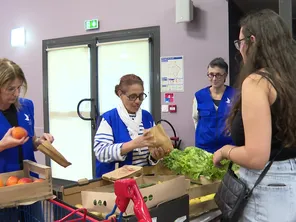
(194, 162)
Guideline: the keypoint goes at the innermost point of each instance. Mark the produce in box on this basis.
(13, 180)
(195, 162)
(201, 199)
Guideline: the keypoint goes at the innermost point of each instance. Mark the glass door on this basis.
(69, 83)
(116, 59)
(80, 74)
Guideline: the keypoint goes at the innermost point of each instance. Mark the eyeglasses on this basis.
(218, 75)
(12, 90)
(134, 97)
(237, 43)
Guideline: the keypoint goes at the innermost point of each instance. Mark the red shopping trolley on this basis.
(45, 211)
(57, 211)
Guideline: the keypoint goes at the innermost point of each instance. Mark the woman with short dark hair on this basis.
(211, 106)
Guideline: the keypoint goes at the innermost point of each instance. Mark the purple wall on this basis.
(198, 42)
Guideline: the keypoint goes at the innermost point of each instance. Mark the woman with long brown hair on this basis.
(262, 121)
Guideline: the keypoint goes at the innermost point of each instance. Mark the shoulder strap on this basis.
(265, 75)
(261, 176)
(264, 172)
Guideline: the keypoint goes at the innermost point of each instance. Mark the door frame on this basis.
(153, 33)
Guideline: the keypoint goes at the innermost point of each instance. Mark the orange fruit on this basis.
(24, 180)
(1, 183)
(12, 180)
(19, 133)
(38, 180)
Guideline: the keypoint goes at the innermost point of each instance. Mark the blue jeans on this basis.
(274, 199)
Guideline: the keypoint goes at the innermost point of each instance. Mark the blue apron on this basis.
(9, 158)
(210, 130)
(121, 135)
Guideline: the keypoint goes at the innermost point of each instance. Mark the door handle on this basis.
(78, 109)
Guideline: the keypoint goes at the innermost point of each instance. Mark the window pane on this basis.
(117, 59)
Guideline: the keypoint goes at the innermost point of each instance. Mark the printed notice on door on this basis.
(172, 74)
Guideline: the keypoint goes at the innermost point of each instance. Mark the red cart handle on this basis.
(82, 210)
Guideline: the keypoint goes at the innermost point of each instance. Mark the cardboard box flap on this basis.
(71, 187)
(126, 171)
(71, 193)
(195, 190)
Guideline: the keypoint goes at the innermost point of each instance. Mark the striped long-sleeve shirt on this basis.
(107, 151)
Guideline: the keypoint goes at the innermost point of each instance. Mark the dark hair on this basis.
(219, 62)
(128, 80)
(273, 50)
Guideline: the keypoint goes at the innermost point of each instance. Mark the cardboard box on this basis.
(161, 169)
(23, 194)
(194, 191)
(102, 199)
(196, 188)
(176, 210)
(158, 169)
(70, 192)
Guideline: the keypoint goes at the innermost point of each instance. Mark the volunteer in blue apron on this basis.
(211, 106)
(16, 111)
(122, 135)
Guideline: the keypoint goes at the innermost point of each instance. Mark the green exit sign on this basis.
(91, 24)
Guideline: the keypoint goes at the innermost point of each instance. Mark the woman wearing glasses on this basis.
(210, 108)
(262, 120)
(121, 136)
(16, 111)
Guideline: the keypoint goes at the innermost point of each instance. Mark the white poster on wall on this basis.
(172, 73)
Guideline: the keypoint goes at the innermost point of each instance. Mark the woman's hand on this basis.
(145, 140)
(46, 137)
(157, 153)
(218, 157)
(9, 142)
(221, 154)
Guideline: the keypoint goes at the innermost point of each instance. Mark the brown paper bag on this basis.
(161, 138)
(53, 154)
